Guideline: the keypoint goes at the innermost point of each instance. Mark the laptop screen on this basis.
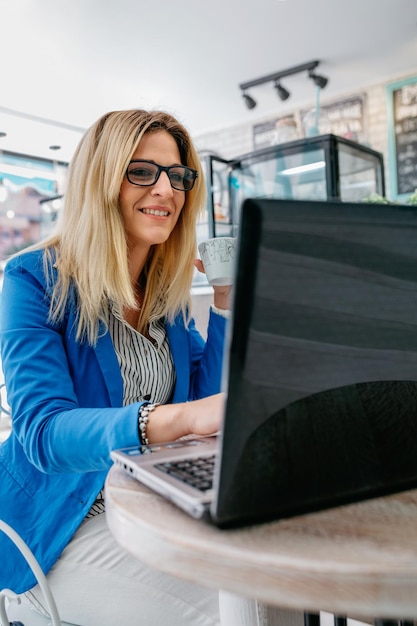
(322, 370)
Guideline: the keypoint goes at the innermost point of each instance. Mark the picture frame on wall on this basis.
(402, 137)
(345, 118)
(275, 131)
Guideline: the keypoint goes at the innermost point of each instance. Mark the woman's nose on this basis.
(163, 185)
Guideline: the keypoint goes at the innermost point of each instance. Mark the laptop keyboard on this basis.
(197, 472)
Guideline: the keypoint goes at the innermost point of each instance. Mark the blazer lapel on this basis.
(179, 346)
(109, 365)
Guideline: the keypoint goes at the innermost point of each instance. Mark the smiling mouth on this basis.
(155, 212)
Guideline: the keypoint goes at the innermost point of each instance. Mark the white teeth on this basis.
(155, 212)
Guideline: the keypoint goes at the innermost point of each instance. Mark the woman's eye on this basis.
(141, 172)
(176, 177)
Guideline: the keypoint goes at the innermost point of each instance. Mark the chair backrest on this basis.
(5, 414)
(23, 614)
(40, 577)
(4, 407)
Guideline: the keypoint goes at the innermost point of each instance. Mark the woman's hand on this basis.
(205, 416)
(222, 295)
(199, 417)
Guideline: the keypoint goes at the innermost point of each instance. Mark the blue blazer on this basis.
(66, 399)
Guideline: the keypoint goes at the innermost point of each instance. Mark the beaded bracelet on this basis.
(143, 419)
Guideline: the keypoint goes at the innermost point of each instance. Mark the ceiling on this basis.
(66, 63)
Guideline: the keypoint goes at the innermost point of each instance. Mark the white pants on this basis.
(96, 583)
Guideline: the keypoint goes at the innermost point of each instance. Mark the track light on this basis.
(318, 80)
(249, 101)
(282, 92)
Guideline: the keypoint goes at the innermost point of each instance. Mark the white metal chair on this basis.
(18, 611)
(5, 415)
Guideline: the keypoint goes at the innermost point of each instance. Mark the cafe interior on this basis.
(297, 99)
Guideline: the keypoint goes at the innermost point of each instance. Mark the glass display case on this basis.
(324, 167)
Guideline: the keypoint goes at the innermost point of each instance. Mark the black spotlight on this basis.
(249, 101)
(282, 92)
(318, 80)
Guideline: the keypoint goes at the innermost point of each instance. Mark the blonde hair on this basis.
(89, 247)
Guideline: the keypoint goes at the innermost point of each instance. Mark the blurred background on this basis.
(66, 63)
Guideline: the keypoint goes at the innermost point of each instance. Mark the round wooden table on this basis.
(354, 560)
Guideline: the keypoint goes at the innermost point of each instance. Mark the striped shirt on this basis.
(146, 366)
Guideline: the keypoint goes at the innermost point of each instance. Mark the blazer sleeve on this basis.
(207, 358)
(63, 414)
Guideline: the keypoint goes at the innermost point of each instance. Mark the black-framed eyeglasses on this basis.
(146, 173)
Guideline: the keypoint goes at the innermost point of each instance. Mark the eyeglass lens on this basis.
(146, 173)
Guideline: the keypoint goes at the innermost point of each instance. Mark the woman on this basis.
(96, 335)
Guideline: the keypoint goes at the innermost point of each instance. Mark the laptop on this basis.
(320, 369)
